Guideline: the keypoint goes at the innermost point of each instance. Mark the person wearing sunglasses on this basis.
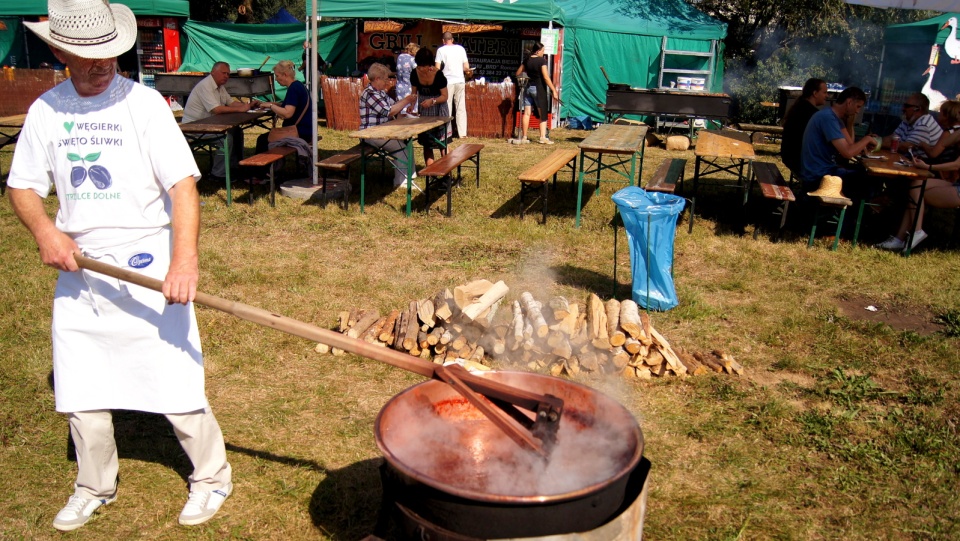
(918, 126)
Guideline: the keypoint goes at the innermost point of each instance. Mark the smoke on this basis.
(455, 445)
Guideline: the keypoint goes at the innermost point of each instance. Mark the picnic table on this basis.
(210, 132)
(889, 165)
(403, 129)
(721, 151)
(624, 142)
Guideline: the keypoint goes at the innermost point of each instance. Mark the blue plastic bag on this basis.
(650, 219)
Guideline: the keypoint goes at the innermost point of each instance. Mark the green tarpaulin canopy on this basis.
(165, 8)
(624, 36)
(247, 45)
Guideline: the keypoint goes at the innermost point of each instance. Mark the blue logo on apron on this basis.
(140, 261)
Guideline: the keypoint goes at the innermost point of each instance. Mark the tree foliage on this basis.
(785, 42)
(244, 11)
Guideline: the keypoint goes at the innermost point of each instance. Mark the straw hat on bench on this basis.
(830, 186)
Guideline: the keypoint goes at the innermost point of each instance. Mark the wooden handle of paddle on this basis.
(489, 388)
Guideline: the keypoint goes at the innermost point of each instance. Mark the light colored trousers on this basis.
(198, 433)
(458, 95)
(398, 157)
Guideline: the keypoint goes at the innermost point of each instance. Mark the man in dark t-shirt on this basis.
(813, 96)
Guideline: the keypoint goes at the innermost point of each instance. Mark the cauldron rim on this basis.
(476, 495)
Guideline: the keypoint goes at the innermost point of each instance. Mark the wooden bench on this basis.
(537, 177)
(439, 171)
(338, 165)
(753, 129)
(267, 159)
(667, 176)
(772, 186)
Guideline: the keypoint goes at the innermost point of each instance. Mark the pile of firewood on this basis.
(474, 323)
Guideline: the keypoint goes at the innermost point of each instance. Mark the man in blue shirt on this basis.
(826, 138)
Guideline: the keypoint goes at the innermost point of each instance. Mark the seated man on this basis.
(377, 107)
(918, 126)
(826, 139)
(209, 98)
(811, 99)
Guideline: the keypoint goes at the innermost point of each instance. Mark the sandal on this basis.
(545, 141)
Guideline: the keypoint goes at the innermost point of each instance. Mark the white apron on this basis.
(121, 346)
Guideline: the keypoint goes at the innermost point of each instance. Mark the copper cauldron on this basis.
(454, 468)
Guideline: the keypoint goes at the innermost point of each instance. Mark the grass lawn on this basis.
(844, 425)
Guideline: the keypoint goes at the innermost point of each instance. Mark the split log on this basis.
(694, 367)
(422, 339)
(619, 357)
(560, 307)
(562, 348)
(491, 295)
(597, 322)
(413, 327)
(352, 319)
(654, 358)
(667, 351)
(589, 361)
(612, 309)
(709, 361)
(630, 318)
(386, 333)
(644, 373)
(572, 366)
(632, 345)
(434, 337)
(647, 329)
(344, 322)
(486, 317)
(728, 362)
(468, 293)
(517, 326)
(363, 323)
(372, 334)
(568, 325)
(425, 313)
(532, 309)
(446, 337)
(441, 305)
(400, 329)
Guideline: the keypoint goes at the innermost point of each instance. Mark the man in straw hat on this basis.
(826, 139)
(126, 181)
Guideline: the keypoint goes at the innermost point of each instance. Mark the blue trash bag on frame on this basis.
(650, 219)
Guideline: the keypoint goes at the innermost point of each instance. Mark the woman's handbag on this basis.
(277, 134)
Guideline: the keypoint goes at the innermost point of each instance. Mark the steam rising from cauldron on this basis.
(453, 443)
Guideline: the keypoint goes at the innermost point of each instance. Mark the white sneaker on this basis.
(893, 244)
(78, 511)
(201, 506)
(918, 237)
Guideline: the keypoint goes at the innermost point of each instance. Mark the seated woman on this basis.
(377, 107)
(295, 107)
(429, 85)
(939, 193)
(947, 148)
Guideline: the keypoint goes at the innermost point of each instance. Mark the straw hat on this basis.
(829, 187)
(88, 28)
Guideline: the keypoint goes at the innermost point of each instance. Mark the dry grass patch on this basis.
(841, 428)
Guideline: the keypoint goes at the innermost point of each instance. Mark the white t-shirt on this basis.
(112, 157)
(204, 98)
(453, 58)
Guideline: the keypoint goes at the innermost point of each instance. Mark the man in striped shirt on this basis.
(918, 126)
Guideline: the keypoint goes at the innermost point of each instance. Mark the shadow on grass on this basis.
(347, 503)
(561, 202)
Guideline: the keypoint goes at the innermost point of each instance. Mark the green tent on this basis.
(163, 8)
(247, 45)
(624, 36)
(907, 53)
